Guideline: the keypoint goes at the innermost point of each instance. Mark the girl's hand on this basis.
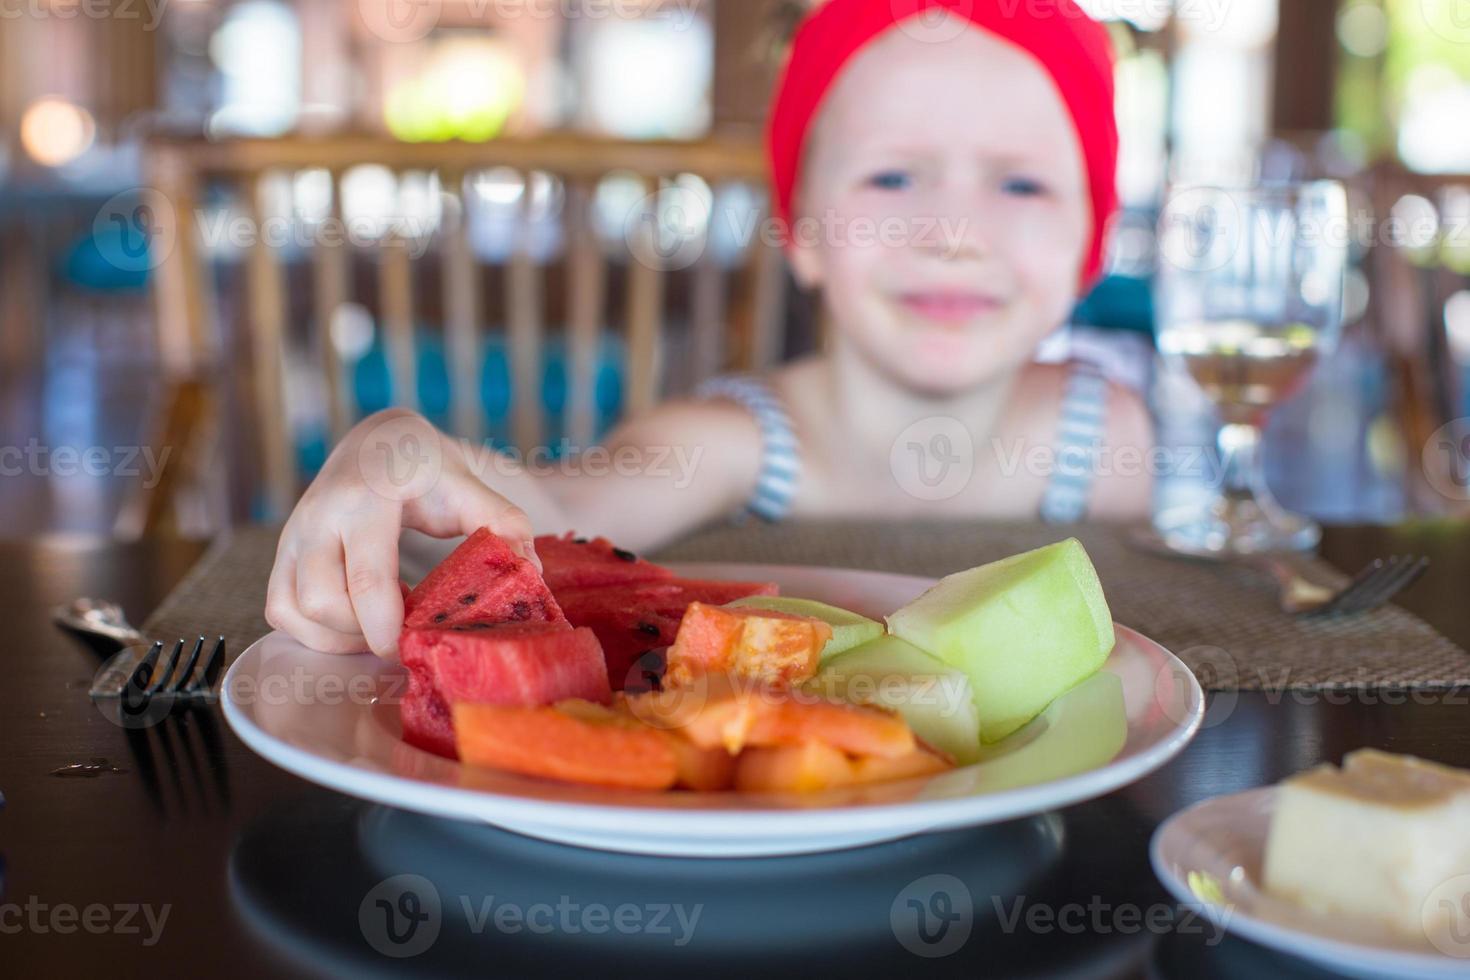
(334, 586)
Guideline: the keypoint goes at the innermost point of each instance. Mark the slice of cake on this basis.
(1384, 839)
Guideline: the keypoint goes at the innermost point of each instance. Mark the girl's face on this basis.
(943, 208)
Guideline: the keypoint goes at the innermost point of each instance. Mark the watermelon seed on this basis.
(579, 541)
(521, 610)
(648, 628)
(441, 617)
(468, 599)
(651, 668)
(625, 555)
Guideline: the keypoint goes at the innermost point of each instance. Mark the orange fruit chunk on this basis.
(573, 741)
(815, 766)
(776, 647)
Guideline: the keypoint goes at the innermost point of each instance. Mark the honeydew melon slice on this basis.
(848, 628)
(1082, 730)
(1024, 629)
(936, 700)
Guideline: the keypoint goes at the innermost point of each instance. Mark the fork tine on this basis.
(168, 670)
(188, 672)
(135, 693)
(1351, 590)
(212, 668)
(143, 672)
(1404, 571)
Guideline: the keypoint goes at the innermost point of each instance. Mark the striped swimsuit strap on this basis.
(1079, 436)
(780, 469)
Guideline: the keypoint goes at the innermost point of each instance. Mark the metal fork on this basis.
(1372, 587)
(182, 687)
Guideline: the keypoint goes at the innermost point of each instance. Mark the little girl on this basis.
(946, 169)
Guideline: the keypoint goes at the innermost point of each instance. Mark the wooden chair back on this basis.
(734, 313)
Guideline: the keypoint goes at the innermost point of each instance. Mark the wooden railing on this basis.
(741, 313)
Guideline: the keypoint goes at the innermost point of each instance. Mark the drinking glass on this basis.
(1248, 298)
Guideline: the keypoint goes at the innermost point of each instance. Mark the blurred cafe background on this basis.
(228, 228)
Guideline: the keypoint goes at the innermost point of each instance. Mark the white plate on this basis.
(330, 720)
(1223, 843)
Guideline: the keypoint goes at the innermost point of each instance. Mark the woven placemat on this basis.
(1221, 620)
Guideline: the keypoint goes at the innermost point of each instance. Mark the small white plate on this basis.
(331, 720)
(1222, 843)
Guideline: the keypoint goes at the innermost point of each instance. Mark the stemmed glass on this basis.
(1248, 298)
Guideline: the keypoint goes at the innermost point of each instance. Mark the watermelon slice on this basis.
(526, 664)
(570, 562)
(482, 582)
(635, 620)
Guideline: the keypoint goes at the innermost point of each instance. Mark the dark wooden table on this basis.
(258, 872)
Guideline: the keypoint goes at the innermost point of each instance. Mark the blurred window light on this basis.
(1239, 24)
(1403, 82)
(369, 199)
(55, 132)
(1457, 326)
(648, 78)
(311, 193)
(274, 198)
(1415, 223)
(1433, 137)
(351, 331)
(468, 89)
(1454, 246)
(510, 213)
(548, 194)
(1217, 137)
(734, 225)
(420, 208)
(618, 196)
(1146, 15)
(1143, 119)
(501, 187)
(257, 50)
(1355, 294)
(681, 219)
(1362, 29)
(693, 198)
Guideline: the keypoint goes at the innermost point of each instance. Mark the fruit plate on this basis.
(1210, 857)
(334, 721)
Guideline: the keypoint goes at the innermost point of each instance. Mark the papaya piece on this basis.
(719, 710)
(765, 644)
(791, 769)
(704, 769)
(815, 766)
(574, 741)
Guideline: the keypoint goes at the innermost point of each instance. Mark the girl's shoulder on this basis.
(1075, 405)
(1047, 391)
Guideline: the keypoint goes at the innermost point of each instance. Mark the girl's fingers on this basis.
(321, 587)
(282, 613)
(465, 505)
(477, 506)
(372, 581)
